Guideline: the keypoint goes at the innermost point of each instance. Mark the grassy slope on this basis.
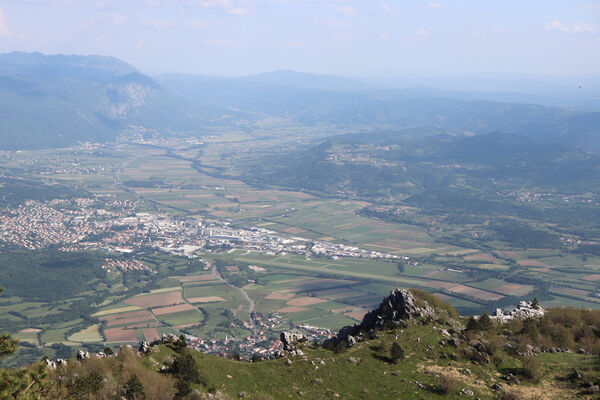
(376, 377)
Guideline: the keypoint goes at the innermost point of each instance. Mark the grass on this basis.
(89, 334)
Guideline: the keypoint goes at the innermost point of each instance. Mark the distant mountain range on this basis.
(53, 101)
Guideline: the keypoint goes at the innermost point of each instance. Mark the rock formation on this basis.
(290, 340)
(396, 309)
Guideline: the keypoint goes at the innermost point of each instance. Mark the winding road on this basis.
(248, 299)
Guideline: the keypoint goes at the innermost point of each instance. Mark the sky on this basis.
(367, 38)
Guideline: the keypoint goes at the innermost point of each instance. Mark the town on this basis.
(102, 222)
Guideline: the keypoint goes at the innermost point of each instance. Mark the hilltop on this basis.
(412, 346)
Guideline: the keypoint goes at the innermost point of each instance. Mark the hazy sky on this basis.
(356, 38)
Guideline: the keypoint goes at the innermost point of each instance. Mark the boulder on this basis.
(144, 347)
(82, 355)
(50, 364)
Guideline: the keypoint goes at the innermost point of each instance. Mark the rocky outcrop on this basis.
(399, 306)
(81, 355)
(290, 340)
(396, 309)
(525, 310)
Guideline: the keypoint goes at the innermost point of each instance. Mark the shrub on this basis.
(448, 384)
(532, 368)
(396, 353)
(422, 296)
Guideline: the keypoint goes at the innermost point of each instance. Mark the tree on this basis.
(472, 324)
(133, 389)
(535, 304)
(485, 322)
(185, 369)
(8, 345)
(396, 353)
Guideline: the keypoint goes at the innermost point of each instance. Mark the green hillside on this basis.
(426, 353)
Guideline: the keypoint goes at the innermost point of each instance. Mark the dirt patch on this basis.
(291, 309)
(156, 300)
(279, 296)
(476, 293)
(593, 277)
(151, 334)
(232, 268)
(305, 301)
(30, 330)
(172, 309)
(206, 299)
(120, 335)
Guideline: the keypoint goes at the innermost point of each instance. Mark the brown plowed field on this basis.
(156, 300)
(120, 335)
(150, 334)
(305, 301)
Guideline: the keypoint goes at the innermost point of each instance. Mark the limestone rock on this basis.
(290, 340)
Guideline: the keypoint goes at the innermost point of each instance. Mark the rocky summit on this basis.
(396, 309)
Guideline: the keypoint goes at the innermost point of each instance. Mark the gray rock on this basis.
(351, 341)
(575, 375)
(288, 362)
(82, 355)
(467, 392)
(352, 360)
(290, 340)
(144, 347)
(299, 353)
(497, 387)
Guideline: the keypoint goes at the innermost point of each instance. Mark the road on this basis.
(248, 299)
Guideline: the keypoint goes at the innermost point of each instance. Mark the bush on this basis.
(422, 296)
(532, 368)
(448, 384)
(396, 353)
